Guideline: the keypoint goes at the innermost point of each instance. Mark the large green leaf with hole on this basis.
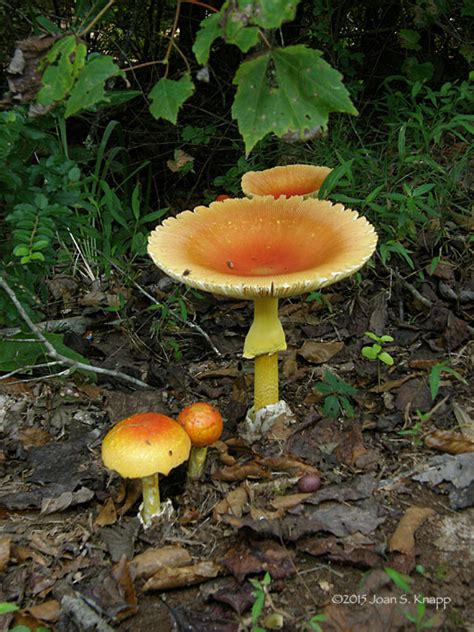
(287, 90)
(64, 62)
(269, 14)
(169, 95)
(89, 88)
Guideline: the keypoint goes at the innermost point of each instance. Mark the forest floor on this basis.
(397, 477)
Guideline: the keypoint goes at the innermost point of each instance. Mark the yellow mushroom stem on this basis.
(265, 386)
(151, 498)
(197, 459)
(264, 339)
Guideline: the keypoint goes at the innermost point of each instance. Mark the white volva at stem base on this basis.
(259, 423)
(164, 514)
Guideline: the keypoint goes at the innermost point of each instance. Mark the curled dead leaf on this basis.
(233, 503)
(107, 514)
(46, 611)
(403, 539)
(169, 577)
(319, 352)
(239, 472)
(288, 501)
(151, 561)
(5, 550)
(449, 441)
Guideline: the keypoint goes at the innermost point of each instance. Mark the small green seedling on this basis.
(435, 377)
(416, 430)
(376, 352)
(337, 395)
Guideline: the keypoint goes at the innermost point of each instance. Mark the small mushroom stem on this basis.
(151, 498)
(265, 380)
(197, 459)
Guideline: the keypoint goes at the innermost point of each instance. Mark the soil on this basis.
(397, 475)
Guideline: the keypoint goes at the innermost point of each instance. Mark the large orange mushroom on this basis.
(305, 180)
(263, 249)
(144, 446)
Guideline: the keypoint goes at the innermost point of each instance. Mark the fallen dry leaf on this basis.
(403, 539)
(171, 577)
(121, 574)
(287, 464)
(46, 611)
(5, 549)
(33, 437)
(391, 384)
(151, 561)
(359, 556)
(258, 557)
(239, 472)
(181, 158)
(319, 352)
(288, 501)
(133, 493)
(11, 386)
(464, 419)
(233, 503)
(65, 500)
(449, 441)
(107, 514)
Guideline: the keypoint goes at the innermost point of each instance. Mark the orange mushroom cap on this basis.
(202, 422)
(286, 181)
(251, 248)
(145, 444)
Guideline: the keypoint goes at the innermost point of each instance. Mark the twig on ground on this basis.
(51, 351)
(177, 317)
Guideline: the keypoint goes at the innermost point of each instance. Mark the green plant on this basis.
(435, 377)
(313, 623)
(419, 617)
(376, 352)
(337, 395)
(6, 608)
(260, 592)
(416, 430)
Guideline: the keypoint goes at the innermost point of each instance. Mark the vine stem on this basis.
(51, 351)
(97, 18)
(173, 32)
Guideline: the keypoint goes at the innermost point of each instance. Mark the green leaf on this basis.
(46, 24)
(168, 96)
(245, 38)
(21, 251)
(5, 608)
(288, 89)
(90, 86)
(401, 581)
(269, 14)
(207, 34)
(58, 78)
(369, 352)
(410, 39)
(20, 351)
(386, 358)
(331, 406)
